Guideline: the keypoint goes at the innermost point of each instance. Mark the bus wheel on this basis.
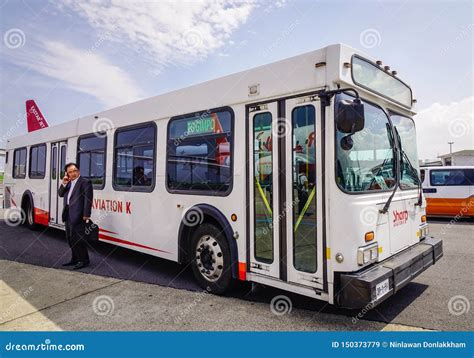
(29, 219)
(211, 260)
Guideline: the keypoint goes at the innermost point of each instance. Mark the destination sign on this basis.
(200, 126)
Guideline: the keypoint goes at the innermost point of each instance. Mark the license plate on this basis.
(381, 289)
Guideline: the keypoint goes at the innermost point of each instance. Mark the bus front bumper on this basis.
(369, 287)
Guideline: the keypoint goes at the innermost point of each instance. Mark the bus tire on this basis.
(210, 259)
(28, 215)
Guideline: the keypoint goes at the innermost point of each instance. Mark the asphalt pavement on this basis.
(126, 290)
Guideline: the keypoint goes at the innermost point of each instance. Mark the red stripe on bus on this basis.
(113, 239)
(41, 217)
(107, 231)
(242, 271)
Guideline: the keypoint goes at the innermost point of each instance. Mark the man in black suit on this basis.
(77, 193)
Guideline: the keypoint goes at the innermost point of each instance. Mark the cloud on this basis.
(165, 32)
(149, 34)
(442, 123)
(83, 71)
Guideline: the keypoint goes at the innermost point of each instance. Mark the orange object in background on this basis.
(449, 190)
(450, 207)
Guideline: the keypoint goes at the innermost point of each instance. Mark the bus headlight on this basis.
(367, 254)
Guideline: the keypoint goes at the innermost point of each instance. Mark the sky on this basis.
(76, 58)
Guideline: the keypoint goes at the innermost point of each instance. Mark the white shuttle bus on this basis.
(301, 174)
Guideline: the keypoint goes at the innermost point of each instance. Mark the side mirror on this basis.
(350, 116)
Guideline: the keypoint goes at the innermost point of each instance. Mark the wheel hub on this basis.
(209, 258)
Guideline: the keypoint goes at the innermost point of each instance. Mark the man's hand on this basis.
(66, 180)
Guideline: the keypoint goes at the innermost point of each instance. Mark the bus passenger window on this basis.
(91, 158)
(134, 162)
(199, 155)
(452, 177)
(37, 161)
(19, 163)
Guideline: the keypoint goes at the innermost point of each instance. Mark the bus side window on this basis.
(450, 177)
(422, 175)
(37, 161)
(19, 163)
(134, 158)
(469, 175)
(199, 152)
(91, 153)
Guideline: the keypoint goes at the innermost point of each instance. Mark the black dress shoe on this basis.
(80, 265)
(70, 263)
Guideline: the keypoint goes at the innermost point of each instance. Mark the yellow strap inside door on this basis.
(262, 194)
(305, 208)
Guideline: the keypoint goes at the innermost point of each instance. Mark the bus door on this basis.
(285, 204)
(58, 161)
(263, 189)
(303, 192)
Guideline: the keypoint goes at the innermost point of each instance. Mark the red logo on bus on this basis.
(400, 217)
(115, 206)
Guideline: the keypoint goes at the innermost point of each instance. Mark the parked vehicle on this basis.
(449, 191)
(210, 175)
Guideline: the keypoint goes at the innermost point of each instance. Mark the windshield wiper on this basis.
(395, 167)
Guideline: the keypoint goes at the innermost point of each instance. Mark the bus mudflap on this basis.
(371, 286)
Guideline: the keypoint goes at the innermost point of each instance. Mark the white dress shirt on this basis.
(73, 183)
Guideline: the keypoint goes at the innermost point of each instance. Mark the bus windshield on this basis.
(409, 171)
(369, 164)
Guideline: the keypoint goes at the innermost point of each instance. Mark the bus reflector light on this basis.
(369, 236)
(423, 218)
(233, 217)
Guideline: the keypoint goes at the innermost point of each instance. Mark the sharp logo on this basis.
(400, 217)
